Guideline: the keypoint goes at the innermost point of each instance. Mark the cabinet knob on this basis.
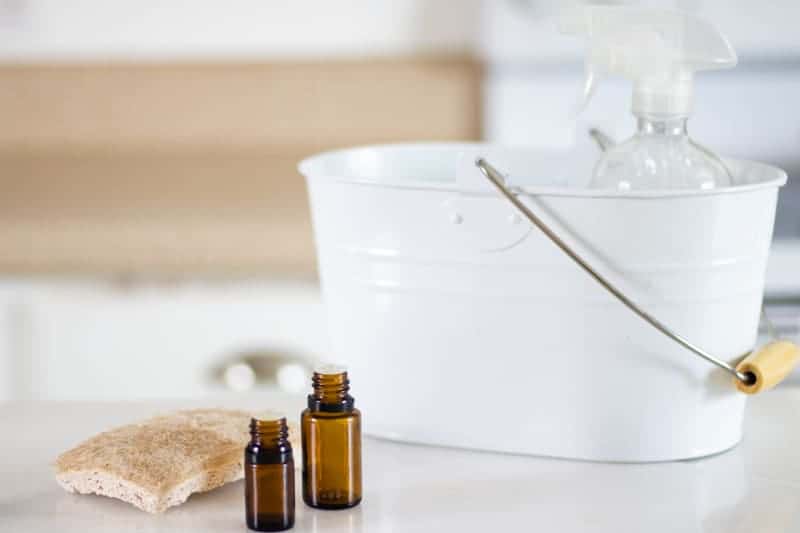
(245, 372)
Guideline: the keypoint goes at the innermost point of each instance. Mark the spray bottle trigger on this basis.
(589, 88)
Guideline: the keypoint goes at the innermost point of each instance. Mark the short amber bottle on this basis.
(269, 476)
(331, 433)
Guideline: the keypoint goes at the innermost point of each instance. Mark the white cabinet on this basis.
(106, 341)
(103, 341)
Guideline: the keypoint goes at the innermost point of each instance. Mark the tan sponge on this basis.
(160, 462)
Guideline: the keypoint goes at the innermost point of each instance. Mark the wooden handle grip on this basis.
(770, 365)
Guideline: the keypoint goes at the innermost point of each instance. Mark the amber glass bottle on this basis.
(331, 432)
(269, 476)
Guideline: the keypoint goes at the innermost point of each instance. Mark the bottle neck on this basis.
(269, 433)
(330, 392)
(662, 126)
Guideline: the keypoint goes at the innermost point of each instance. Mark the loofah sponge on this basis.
(160, 462)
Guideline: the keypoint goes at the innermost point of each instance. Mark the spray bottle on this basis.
(660, 51)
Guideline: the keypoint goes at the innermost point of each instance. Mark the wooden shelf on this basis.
(191, 168)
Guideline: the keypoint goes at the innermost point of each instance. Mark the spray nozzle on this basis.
(658, 49)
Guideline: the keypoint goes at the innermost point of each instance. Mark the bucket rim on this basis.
(307, 167)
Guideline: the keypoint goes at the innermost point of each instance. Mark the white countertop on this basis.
(754, 488)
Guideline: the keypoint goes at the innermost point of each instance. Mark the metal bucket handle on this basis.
(757, 371)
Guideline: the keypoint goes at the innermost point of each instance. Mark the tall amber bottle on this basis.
(269, 476)
(331, 433)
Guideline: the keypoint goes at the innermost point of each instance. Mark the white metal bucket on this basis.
(464, 326)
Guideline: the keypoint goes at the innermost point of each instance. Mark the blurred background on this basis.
(155, 238)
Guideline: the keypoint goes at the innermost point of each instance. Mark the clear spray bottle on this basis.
(660, 51)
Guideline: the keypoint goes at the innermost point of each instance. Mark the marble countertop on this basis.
(753, 488)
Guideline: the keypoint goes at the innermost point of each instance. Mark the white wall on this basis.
(517, 31)
(502, 30)
(169, 29)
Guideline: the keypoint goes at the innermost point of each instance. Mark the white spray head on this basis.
(658, 49)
